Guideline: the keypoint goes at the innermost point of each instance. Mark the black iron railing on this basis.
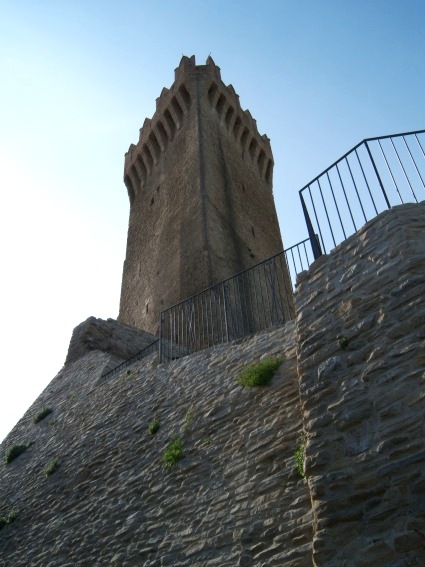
(375, 175)
(250, 301)
(153, 347)
(299, 257)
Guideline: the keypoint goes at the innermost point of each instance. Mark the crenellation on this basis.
(233, 94)
(171, 108)
(231, 117)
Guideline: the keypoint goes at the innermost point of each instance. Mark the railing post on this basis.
(377, 174)
(315, 245)
(161, 319)
(225, 312)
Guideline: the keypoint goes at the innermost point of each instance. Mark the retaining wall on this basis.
(352, 380)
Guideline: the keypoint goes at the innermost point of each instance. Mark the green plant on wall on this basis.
(188, 419)
(173, 453)
(259, 374)
(300, 457)
(14, 452)
(343, 342)
(52, 467)
(154, 426)
(42, 414)
(9, 519)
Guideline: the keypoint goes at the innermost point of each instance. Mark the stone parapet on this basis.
(108, 336)
(361, 363)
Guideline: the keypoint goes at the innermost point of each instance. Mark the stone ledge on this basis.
(107, 336)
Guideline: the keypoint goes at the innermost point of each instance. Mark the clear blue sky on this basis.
(77, 80)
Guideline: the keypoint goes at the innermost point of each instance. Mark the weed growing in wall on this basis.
(188, 419)
(42, 414)
(14, 452)
(173, 453)
(259, 374)
(9, 519)
(343, 342)
(300, 457)
(52, 467)
(153, 426)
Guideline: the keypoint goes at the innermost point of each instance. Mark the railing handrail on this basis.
(221, 282)
(374, 175)
(127, 362)
(354, 149)
(296, 245)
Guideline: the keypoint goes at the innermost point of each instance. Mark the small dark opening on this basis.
(177, 109)
(171, 124)
(147, 307)
(185, 95)
(244, 137)
(220, 103)
(253, 231)
(212, 92)
(152, 201)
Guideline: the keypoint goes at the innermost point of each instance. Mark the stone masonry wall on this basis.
(361, 362)
(235, 499)
(109, 336)
(352, 381)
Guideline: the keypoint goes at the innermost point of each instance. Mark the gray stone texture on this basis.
(235, 499)
(109, 336)
(201, 202)
(352, 380)
(363, 403)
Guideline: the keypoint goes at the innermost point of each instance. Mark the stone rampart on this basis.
(352, 381)
(235, 499)
(361, 364)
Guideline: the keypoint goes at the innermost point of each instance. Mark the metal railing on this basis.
(252, 300)
(299, 257)
(246, 303)
(375, 175)
(153, 347)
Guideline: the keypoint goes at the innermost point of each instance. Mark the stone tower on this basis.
(199, 182)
